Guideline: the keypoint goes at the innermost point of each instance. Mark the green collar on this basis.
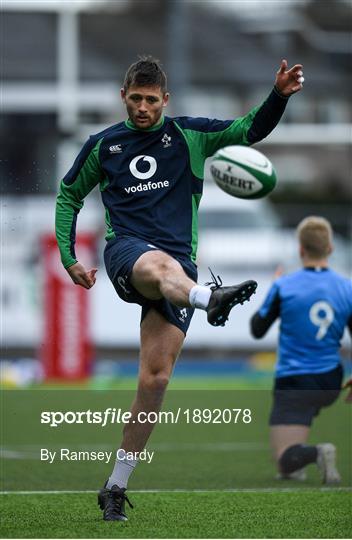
(130, 125)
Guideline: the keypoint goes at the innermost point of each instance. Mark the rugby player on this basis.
(150, 172)
(314, 305)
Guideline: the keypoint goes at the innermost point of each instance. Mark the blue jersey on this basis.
(151, 180)
(314, 306)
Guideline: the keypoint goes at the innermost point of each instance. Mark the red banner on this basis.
(67, 348)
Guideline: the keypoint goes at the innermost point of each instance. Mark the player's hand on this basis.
(81, 277)
(348, 384)
(289, 81)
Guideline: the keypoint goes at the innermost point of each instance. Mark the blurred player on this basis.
(150, 172)
(314, 305)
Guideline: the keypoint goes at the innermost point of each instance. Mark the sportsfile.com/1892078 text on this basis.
(113, 415)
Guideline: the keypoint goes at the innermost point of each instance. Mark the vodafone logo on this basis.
(143, 175)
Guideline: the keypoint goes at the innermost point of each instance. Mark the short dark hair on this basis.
(145, 72)
(315, 236)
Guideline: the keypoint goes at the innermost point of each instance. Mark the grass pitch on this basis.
(224, 471)
(294, 514)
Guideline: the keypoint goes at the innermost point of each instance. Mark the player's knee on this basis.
(163, 268)
(296, 457)
(155, 268)
(155, 383)
(160, 382)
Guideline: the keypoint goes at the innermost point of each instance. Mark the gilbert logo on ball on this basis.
(243, 172)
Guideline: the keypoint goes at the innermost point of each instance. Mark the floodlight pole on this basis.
(68, 69)
(67, 85)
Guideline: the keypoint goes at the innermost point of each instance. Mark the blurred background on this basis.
(63, 64)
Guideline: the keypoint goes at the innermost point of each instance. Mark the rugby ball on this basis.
(243, 172)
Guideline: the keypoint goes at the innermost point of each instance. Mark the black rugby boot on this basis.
(112, 502)
(223, 299)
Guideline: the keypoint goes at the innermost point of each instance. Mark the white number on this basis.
(321, 314)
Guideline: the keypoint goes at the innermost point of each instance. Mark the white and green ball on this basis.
(243, 172)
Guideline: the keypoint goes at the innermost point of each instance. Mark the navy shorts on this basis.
(120, 256)
(299, 398)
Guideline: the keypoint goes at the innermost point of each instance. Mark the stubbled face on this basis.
(144, 104)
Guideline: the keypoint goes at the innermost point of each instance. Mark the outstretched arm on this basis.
(211, 135)
(287, 82)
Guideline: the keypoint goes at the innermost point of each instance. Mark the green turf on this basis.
(188, 457)
(240, 451)
(302, 514)
(262, 380)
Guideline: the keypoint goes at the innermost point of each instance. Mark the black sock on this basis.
(296, 457)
